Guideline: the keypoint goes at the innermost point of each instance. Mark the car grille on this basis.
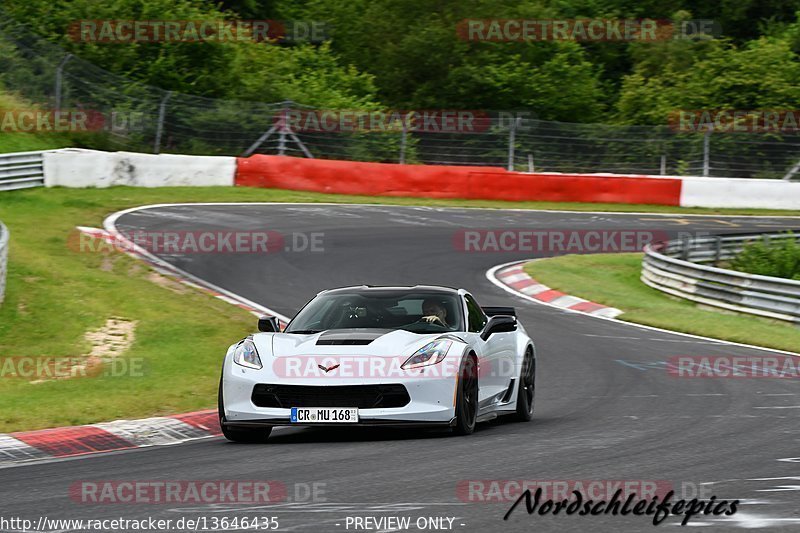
(361, 396)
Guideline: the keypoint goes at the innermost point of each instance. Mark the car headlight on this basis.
(430, 354)
(246, 354)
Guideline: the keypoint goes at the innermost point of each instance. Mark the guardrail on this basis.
(676, 267)
(3, 259)
(21, 170)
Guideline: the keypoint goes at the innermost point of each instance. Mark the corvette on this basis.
(376, 356)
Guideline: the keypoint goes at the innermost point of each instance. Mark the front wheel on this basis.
(526, 393)
(467, 397)
(244, 435)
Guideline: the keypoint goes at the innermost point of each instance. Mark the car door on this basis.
(495, 355)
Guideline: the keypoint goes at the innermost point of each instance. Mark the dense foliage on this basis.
(778, 258)
(407, 54)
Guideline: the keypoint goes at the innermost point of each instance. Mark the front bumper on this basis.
(431, 399)
(270, 422)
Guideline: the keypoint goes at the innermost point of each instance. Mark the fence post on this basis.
(511, 136)
(792, 171)
(707, 152)
(531, 167)
(162, 111)
(282, 129)
(59, 76)
(664, 165)
(403, 143)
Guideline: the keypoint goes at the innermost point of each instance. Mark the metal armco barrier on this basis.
(3, 259)
(676, 267)
(21, 170)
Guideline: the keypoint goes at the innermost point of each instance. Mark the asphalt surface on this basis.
(606, 408)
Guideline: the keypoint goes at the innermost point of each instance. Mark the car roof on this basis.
(366, 289)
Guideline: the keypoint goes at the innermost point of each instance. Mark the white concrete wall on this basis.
(742, 193)
(89, 168)
(73, 167)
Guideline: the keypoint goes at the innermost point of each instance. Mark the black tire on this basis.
(526, 393)
(244, 435)
(467, 397)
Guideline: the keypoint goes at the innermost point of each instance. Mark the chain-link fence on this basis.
(143, 118)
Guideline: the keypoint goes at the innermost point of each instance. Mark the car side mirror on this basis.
(499, 324)
(269, 324)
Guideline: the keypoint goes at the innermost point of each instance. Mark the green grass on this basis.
(55, 295)
(614, 281)
(11, 141)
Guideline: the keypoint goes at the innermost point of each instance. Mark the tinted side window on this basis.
(475, 316)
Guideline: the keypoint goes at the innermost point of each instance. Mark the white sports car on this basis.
(409, 356)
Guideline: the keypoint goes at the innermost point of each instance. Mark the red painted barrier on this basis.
(434, 181)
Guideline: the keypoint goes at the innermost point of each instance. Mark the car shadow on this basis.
(309, 435)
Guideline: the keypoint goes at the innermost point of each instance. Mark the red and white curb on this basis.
(27, 446)
(514, 277)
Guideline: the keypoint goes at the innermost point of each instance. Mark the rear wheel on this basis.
(246, 435)
(467, 397)
(526, 394)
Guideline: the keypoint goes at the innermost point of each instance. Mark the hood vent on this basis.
(343, 342)
(350, 337)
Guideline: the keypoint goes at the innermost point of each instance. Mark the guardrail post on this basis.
(162, 111)
(717, 249)
(531, 166)
(663, 165)
(59, 77)
(685, 248)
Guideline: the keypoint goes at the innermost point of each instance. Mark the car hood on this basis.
(377, 342)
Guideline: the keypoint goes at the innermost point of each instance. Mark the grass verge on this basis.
(14, 141)
(55, 295)
(614, 281)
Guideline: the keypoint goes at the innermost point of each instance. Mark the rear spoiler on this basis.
(499, 310)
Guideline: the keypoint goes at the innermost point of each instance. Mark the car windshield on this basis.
(415, 311)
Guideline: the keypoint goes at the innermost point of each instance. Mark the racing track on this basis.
(596, 418)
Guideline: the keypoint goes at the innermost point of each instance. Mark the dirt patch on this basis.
(167, 283)
(112, 340)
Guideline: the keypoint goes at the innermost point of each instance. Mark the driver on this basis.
(434, 312)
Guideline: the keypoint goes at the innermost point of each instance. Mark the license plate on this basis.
(324, 415)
